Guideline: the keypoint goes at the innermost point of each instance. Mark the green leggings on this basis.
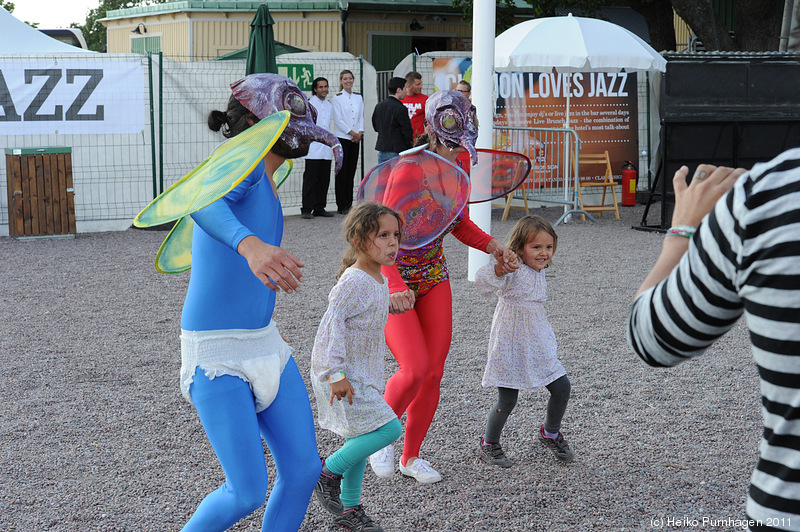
(351, 460)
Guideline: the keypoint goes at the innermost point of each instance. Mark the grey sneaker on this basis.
(327, 490)
(357, 520)
(492, 454)
(558, 445)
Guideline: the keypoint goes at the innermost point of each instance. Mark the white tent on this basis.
(16, 37)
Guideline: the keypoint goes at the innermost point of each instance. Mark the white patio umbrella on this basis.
(573, 44)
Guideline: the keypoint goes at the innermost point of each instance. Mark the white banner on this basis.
(71, 98)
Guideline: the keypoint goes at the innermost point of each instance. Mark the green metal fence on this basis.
(191, 90)
(112, 172)
(115, 176)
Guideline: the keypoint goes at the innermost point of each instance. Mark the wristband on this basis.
(336, 377)
(686, 231)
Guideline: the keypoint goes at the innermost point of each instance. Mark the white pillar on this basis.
(483, 21)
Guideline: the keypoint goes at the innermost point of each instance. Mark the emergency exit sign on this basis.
(303, 75)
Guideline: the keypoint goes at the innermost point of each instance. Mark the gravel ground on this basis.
(96, 436)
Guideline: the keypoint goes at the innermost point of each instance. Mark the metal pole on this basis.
(483, 16)
(361, 88)
(160, 122)
(152, 124)
(649, 146)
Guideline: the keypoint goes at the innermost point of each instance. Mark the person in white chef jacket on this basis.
(317, 175)
(348, 125)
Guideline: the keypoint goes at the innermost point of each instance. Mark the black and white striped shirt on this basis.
(744, 258)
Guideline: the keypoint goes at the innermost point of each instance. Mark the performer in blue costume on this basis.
(236, 368)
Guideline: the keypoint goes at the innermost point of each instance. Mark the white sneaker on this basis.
(382, 462)
(422, 471)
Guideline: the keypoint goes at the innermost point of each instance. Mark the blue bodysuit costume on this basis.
(232, 360)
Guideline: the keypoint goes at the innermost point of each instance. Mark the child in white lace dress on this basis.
(522, 345)
(347, 372)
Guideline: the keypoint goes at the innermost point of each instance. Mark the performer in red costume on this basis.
(420, 325)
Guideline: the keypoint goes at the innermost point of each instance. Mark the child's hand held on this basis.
(504, 267)
(400, 302)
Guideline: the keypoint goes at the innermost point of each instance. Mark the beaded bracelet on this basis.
(336, 377)
(685, 231)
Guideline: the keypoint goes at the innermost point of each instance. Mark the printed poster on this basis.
(71, 98)
(603, 109)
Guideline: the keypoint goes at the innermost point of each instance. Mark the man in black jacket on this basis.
(390, 120)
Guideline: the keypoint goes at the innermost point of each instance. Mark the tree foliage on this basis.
(94, 32)
(9, 6)
(504, 16)
(757, 23)
(507, 10)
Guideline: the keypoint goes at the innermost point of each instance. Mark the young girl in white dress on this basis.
(347, 372)
(522, 345)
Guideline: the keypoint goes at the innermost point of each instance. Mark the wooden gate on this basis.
(40, 194)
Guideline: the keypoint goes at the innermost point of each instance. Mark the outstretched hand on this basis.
(692, 203)
(695, 200)
(277, 268)
(342, 388)
(400, 302)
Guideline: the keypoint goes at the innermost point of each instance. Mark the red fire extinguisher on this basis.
(628, 184)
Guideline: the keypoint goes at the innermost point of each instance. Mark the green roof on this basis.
(230, 5)
(397, 6)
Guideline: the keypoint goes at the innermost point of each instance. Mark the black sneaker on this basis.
(307, 216)
(558, 445)
(357, 520)
(323, 213)
(327, 490)
(492, 454)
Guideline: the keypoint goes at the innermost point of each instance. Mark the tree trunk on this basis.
(659, 17)
(758, 25)
(699, 15)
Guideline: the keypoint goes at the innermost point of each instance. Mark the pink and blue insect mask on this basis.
(452, 119)
(266, 94)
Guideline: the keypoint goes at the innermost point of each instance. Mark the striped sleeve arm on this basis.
(698, 302)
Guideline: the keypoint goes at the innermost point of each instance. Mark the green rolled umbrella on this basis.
(261, 49)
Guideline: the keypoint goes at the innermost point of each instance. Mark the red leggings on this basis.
(419, 340)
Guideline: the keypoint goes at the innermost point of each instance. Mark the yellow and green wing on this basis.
(282, 173)
(175, 253)
(230, 163)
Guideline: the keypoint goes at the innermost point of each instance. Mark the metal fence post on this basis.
(152, 122)
(361, 83)
(649, 173)
(160, 122)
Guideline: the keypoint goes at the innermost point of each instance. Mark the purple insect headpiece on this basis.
(451, 118)
(266, 94)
